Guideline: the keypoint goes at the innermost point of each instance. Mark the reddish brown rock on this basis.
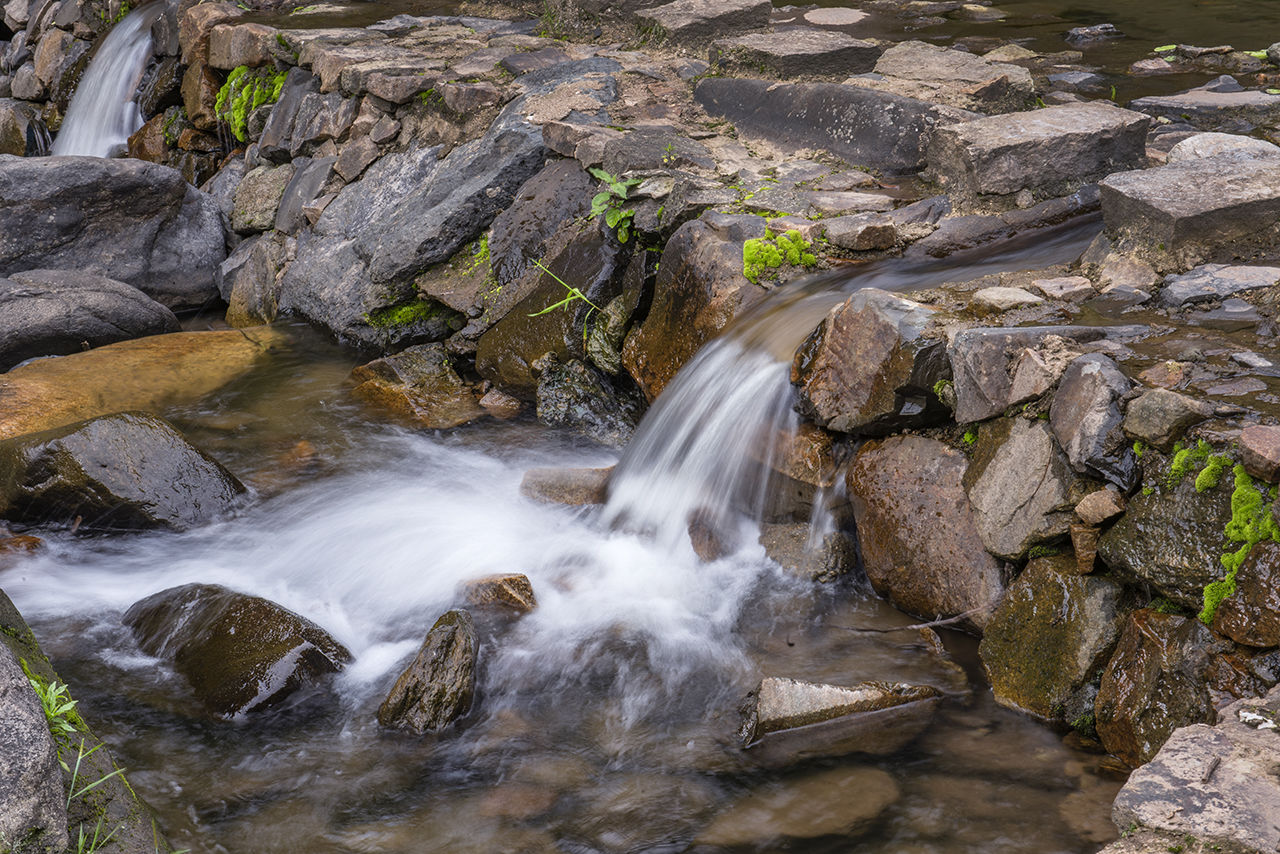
(200, 96)
(1251, 615)
(437, 688)
(195, 25)
(147, 142)
(1260, 452)
(1098, 507)
(1084, 542)
(574, 487)
(500, 405)
(920, 543)
(419, 385)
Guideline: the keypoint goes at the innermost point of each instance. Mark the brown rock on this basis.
(508, 590)
(13, 547)
(574, 487)
(194, 27)
(708, 540)
(233, 45)
(193, 140)
(500, 405)
(1084, 541)
(1168, 375)
(200, 95)
(1097, 507)
(1260, 452)
(1251, 615)
(920, 543)
(420, 385)
(467, 98)
(147, 142)
(438, 686)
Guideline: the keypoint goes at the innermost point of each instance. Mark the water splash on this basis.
(104, 112)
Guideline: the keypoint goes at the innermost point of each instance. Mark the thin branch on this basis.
(949, 621)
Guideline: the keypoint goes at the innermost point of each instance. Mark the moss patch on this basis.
(763, 256)
(1251, 523)
(245, 91)
(403, 315)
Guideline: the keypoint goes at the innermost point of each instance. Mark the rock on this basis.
(1211, 786)
(1068, 288)
(697, 21)
(1100, 506)
(654, 148)
(574, 487)
(940, 75)
(355, 158)
(22, 130)
(258, 198)
(510, 590)
(835, 16)
(842, 802)
(1185, 213)
(576, 395)
(1219, 144)
(878, 130)
(127, 471)
(996, 299)
(233, 45)
(248, 280)
(500, 404)
(1086, 419)
(1092, 33)
(787, 721)
(438, 686)
(1251, 614)
(1154, 683)
(1020, 487)
(1260, 452)
(199, 96)
(1152, 67)
(1214, 106)
(1046, 645)
(1233, 315)
(805, 52)
(419, 385)
(241, 654)
(862, 232)
(136, 222)
(787, 544)
(867, 369)
(1047, 153)
(919, 537)
(147, 373)
(55, 312)
(33, 804)
(1215, 282)
(195, 24)
(1160, 417)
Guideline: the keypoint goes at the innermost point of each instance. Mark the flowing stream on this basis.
(103, 113)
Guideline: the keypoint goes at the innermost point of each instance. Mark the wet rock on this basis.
(697, 21)
(510, 590)
(1020, 486)
(1185, 213)
(834, 555)
(249, 280)
(438, 686)
(842, 802)
(1260, 452)
(574, 487)
(1092, 33)
(1211, 785)
(787, 721)
(1154, 683)
(1047, 643)
(558, 193)
(1084, 544)
(22, 130)
(578, 396)
(1204, 145)
(1217, 105)
(919, 536)
(1047, 153)
(241, 654)
(199, 96)
(1233, 315)
(258, 198)
(127, 471)
(940, 75)
(805, 52)
(419, 385)
(33, 808)
(879, 130)
(54, 312)
(1214, 282)
(867, 369)
(1160, 417)
(997, 299)
(1100, 506)
(1086, 420)
(195, 24)
(1251, 615)
(500, 405)
(136, 222)
(147, 373)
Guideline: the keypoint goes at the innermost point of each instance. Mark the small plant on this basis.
(243, 93)
(480, 256)
(573, 296)
(669, 155)
(970, 438)
(609, 202)
(59, 708)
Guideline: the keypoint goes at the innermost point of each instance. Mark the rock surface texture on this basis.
(438, 686)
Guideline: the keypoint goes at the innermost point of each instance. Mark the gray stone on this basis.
(1233, 315)
(257, 199)
(996, 299)
(1128, 274)
(1092, 33)
(574, 487)
(803, 52)
(249, 280)
(117, 472)
(276, 141)
(1185, 213)
(862, 232)
(33, 808)
(1069, 288)
(1086, 420)
(879, 130)
(22, 130)
(309, 178)
(941, 75)
(695, 21)
(55, 312)
(1260, 452)
(788, 544)
(1221, 144)
(1214, 282)
(1049, 152)
(355, 158)
(1100, 506)
(139, 223)
(577, 396)
(1214, 106)
(438, 686)
(1160, 417)
(835, 16)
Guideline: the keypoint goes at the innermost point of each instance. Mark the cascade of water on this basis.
(103, 113)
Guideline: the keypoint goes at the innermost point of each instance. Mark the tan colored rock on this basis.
(200, 95)
(195, 25)
(507, 590)
(1084, 542)
(1101, 506)
(500, 405)
(574, 487)
(233, 45)
(1260, 452)
(420, 385)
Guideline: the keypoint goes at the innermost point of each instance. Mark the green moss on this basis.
(762, 255)
(1138, 448)
(1251, 523)
(970, 438)
(1211, 474)
(1043, 551)
(1185, 460)
(245, 91)
(402, 315)
(1085, 725)
(940, 388)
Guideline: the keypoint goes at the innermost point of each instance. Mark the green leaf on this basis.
(602, 175)
(1165, 48)
(1273, 91)
(1256, 54)
(612, 217)
(618, 189)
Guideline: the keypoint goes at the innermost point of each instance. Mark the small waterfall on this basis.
(103, 113)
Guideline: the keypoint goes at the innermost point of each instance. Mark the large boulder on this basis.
(241, 654)
(55, 312)
(33, 806)
(867, 369)
(147, 373)
(129, 220)
(116, 472)
(957, 78)
(1086, 418)
(439, 684)
(1047, 643)
(920, 542)
(1251, 614)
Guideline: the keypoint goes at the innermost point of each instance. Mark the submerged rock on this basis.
(420, 386)
(33, 805)
(510, 590)
(438, 686)
(574, 487)
(241, 654)
(1221, 104)
(116, 472)
(787, 543)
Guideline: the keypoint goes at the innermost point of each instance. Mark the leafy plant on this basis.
(609, 202)
(59, 708)
(573, 296)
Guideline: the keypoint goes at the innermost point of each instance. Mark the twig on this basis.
(949, 621)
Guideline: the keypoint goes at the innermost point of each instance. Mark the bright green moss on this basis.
(1251, 523)
(761, 255)
(1212, 472)
(1185, 460)
(1138, 448)
(402, 315)
(243, 93)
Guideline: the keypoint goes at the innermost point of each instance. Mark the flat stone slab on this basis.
(1215, 281)
(835, 16)
(1214, 105)
(802, 52)
(692, 21)
(1184, 213)
(1049, 152)
(941, 75)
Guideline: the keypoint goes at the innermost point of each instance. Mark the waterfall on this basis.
(103, 112)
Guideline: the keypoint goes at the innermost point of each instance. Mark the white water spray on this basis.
(103, 112)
